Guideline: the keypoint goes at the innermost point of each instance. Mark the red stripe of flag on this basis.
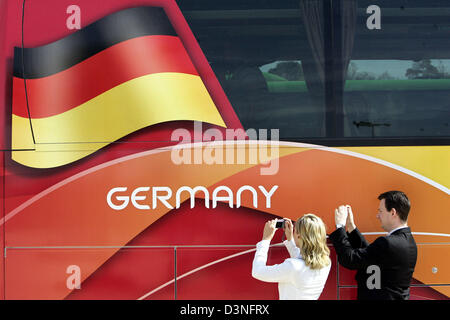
(125, 61)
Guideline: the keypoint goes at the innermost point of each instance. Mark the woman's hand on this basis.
(288, 229)
(269, 229)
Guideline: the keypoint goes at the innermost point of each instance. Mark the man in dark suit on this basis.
(385, 267)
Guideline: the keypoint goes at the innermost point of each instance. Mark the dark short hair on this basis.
(397, 200)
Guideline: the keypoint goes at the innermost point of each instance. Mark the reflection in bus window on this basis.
(314, 70)
(398, 78)
(248, 44)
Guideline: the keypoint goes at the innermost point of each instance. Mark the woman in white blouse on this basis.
(303, 276)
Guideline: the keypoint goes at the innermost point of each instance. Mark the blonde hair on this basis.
(313, 241)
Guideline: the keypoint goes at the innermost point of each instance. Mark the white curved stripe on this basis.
(254, 249)
(251, 250)
(73, 178)
(373, 233)
(197, 269)
(371, 159)
(102, 166)
(393, 166)
(231, 246)
(423, 298)
(324, 148)
(58, 185)
(229, 142)
(414, 233)
(431, 234)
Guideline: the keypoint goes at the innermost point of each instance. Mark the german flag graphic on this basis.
(124, 72)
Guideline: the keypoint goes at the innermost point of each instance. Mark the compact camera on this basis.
(280, 224)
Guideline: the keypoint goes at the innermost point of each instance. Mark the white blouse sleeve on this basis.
(276, 273)
(293, 250)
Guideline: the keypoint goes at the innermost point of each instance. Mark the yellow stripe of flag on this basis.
(131, 106)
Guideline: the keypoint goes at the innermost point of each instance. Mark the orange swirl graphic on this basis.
(73, 213)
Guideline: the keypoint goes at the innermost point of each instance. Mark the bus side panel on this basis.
(2, 228)
(10, 36)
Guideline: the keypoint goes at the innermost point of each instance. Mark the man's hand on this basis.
(340, 215)
(269, 229)
(350, 222)
(288, 229)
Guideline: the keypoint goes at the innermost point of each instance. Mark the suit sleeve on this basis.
(357, 258)
(357, 240)
(276, 273)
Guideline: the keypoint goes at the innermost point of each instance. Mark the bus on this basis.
(146, 142)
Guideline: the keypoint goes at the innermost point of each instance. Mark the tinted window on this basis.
(398, 78)
(330, 70)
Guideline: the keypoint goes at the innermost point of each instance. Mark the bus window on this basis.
(260, 52)
(398, 76)
(324, 72)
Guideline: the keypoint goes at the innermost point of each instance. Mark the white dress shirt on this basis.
(296, 281)
(392, 231)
